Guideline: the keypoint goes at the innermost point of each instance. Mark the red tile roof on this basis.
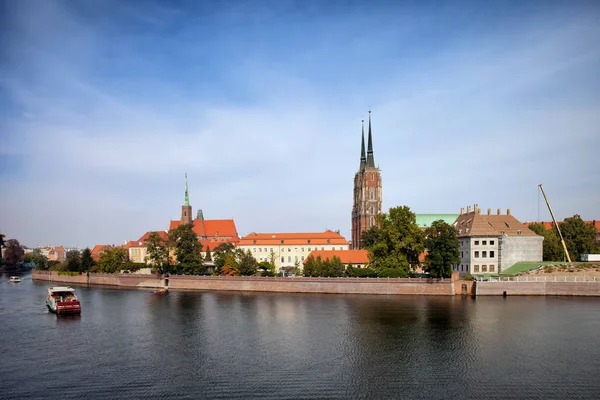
(327, 237)
(346, 256)
(477, 224)
(211, 227)
(99, 248)
(162, 234)
(550, 225)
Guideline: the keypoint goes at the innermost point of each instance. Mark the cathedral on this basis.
(367, 191)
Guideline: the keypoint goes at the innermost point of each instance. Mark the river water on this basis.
(229, 345)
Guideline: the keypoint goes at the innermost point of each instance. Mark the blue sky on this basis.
(105, 105)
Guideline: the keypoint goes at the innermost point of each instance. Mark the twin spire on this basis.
(369, 159)
(187, 197)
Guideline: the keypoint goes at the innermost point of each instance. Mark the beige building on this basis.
(290, 249)
(491, 243)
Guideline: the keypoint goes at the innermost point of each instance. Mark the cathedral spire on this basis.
(187, 197)
(370, 158)
(363, 157)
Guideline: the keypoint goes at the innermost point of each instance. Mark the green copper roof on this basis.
(425, 220)
(187, 197)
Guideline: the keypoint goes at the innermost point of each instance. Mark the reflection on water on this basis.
(132, 343)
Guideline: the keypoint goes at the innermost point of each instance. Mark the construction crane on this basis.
(562, 240)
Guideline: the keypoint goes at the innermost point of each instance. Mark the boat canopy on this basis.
(61, 289)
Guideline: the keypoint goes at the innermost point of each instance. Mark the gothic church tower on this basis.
(186, 208)
(367, 191)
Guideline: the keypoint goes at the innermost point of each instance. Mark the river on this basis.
(238, 345)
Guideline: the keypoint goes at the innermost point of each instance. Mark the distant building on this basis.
(291, 249)
(492, 243)
(98, 249)
(355, 258)
(53, 253)
(210, 232)
(136, 249)
(367, 191)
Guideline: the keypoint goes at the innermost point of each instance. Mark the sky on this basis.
(106, 105)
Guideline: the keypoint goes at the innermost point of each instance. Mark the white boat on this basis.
(63, 300)
(14, 279)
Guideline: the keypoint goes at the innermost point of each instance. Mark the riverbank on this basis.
(518, 286)
(396, 286)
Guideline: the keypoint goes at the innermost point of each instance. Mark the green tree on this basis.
(220, 253)
(73, 261)
(399, 241)
(369, 238)
(552, 249)
(208, 256)
(579, 237)
(112, 259)
(312, 266)
(188, 249)
(442, 247)
(247, 264)
(38, 259)
(87, 262)
(13, 253)
(157, 252)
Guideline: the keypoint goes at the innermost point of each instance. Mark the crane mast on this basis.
(562, 240)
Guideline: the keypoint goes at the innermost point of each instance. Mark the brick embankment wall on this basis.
(124, 280)
(538, 288)
(315, 285)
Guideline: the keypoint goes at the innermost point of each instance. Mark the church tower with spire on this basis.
(367, 191)
(186, 208)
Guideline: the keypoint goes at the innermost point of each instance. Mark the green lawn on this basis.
(527, 266)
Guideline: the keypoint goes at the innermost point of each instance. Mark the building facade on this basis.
(289, 250)
(367, 191)
(491, 243)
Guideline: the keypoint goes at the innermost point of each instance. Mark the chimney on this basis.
(462, 211)
(468, 209)
(508, 211)
(489, 211)
(476, 209)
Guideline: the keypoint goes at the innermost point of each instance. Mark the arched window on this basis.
(371, 195)
(372, 221)
(372, 176)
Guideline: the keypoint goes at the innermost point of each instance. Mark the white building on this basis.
(493, 243)
(290, 249)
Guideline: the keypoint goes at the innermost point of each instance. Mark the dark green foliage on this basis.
(442, 246)
(87, 262)
(157, 252)
(396, 242)
(369, 238)
(247, 264)
(188, 250)
(220, 253)
(332, 267)
(73, 261)
(579, 237)
(37, 259)
(13, 252)
(552, 249)
(354, 272)
(208, 256)
(111, 260)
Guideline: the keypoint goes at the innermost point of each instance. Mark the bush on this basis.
(69, 273)
(391, 273)
(468, 277)
(354, 272)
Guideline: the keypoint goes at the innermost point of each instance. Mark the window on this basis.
(484, 254)
(309, 249)
(341, 248)
(308, 241)
(302, 258)
(518, 232)
(371, 195)
(296, 259)
(492, 254)
(328, 241)
(484, 268)
(372, 176)
(296, 249)
(491, 242)
(476, 254)
(322, 248)
(476, 268)
(289, 249)
(282, 259)
(302, 249)
(491, 268)
(477, 243)
(484, 242)
(254, 242)
(461, 254)
(372, 221)
(271, 249)
(289, 258)
(281, 241)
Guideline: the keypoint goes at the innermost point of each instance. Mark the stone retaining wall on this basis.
(538, 288)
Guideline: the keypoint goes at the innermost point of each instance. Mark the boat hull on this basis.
(65, 307)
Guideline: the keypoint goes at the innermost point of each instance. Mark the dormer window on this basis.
(308, 241)
(328, 241)
(281, 241)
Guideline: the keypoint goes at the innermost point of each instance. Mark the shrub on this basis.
(468, 277)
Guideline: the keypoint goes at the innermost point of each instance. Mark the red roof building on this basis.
(356, 258)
